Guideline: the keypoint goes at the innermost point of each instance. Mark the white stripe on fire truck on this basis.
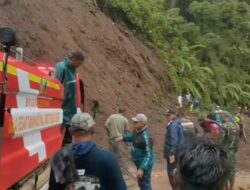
(29, 122)
(24, 89)
(32, 140)
(34, 144)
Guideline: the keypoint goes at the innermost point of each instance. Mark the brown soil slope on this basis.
(119, 69)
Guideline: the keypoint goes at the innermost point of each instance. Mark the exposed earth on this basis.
(119, 70)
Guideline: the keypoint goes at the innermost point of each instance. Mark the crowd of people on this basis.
(189, 103)
(206, 163)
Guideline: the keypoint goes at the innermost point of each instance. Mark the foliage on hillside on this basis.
(205, 43)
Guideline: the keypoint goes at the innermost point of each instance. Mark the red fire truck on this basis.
(30, 115)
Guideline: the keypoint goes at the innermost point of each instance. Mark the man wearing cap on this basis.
(141, 151)
(82, 165)
(65, 72)
(174, 139)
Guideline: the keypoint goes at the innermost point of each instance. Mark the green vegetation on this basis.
(205, 44)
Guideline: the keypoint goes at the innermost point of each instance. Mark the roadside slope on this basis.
(119, 69)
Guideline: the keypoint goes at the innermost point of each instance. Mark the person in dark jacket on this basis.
(174, 139)
(82, 165)
(65, 72)
(141, 151)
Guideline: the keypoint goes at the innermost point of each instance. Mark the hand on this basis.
(139, 173)
(175, 171)
(117, 139)
(171, 159)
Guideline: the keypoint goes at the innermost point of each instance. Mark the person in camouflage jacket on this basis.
(229, 138)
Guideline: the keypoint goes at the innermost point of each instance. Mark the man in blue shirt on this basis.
(174, 139)
(65, 72)
(82, 165)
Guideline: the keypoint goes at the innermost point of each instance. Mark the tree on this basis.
(204, 43)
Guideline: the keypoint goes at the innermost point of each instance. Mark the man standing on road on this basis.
(82, 165)
(229, 138)
(179, 100)
(174, 139)
(142, 150)
(116, 126)
(65, 72)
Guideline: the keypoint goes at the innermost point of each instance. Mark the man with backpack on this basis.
(82, 165)
(65, 72)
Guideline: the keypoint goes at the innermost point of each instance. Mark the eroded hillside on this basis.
(119, 69)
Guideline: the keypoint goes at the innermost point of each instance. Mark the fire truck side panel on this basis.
(33, 115)
(53, 142)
